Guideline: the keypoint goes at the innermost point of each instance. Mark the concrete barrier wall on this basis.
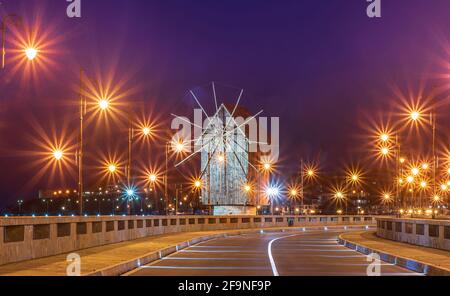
(423, 232)
(24, 238)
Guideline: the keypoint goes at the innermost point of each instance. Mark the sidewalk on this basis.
(400, 251)
(94, 259)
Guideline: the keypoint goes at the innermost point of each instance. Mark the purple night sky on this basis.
(322, 66)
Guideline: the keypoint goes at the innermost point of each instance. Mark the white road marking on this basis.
(269, 252)
(206, 267)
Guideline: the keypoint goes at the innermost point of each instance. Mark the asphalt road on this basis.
(314, 252)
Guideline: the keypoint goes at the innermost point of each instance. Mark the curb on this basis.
(127, 266)
(410, 264)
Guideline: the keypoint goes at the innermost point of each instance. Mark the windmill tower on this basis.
(225, 161)
(224, 164)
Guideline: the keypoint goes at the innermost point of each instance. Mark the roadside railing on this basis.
(431, 233)
(24, 238)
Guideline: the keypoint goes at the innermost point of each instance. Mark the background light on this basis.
(103, 104)
(112, 168)
(146, 131)
(415, 115)
(384, 137)
(31, 53)
(58, 154)
(152, 177)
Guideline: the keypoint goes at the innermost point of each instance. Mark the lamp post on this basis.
(302, 180)
(416, 116)
(178, 147)
(130, 146)
(103, 105)
(80, 144)
(7, 19)
(166, 167)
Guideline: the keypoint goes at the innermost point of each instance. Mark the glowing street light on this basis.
(31, 53)
(444, 187)
(112, 168)
(103, 104)
(425, 166)
(197, 184)
(293, 192)
(415, 171)
(384, 151)
(339, 195)
(247, 188)
(179, 146)
(146, 131)
(410, 179)
(415, 115)
(152, 178)
(402, 160)
(58, 154)
(384, 137)
(423, 184)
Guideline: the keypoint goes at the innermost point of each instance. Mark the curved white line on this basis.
(269, 252)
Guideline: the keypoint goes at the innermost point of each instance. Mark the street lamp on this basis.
(31, 53)
(146, 131)
(293, 193)
(267, 166)
(112, 168)
(103, 104)
(340, 196)
(423, 184)
(179, 147)
(410, 179)
(384, 151)
(8, 19)
(152, 178)
(58, 154)
(384, 137)
(272, 192)
(415, 115)
(308, 172)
